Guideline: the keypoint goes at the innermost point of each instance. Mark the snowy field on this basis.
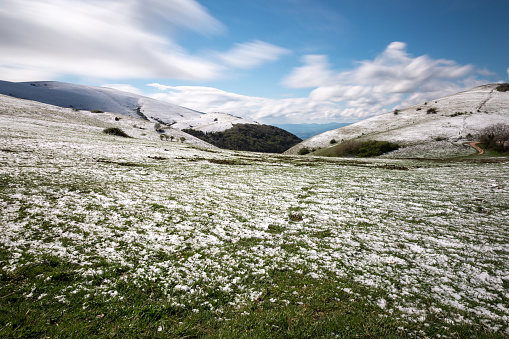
(210, 228)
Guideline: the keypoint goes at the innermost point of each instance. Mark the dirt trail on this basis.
(481, 105)
(479, 149)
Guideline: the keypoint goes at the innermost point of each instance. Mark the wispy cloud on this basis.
(208, 99)
(393, 79)
(112, 39)
(386, 80)
(252, 54)
(124, 87)
(103, 39)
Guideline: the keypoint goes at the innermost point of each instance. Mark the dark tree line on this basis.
(250, 137)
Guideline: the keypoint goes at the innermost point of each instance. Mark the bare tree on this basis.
(496, 136)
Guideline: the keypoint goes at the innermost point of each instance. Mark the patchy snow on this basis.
(111, 100)
(26, 112)
(429, 241)
(459, 117)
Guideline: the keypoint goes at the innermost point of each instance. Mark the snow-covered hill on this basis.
(44, 119)
(458, 117)
(111, 100)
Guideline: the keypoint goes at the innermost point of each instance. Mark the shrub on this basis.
(116, 131)
(496, 137)
(431, 110)
(96, 111)
(333, 141)
(304, 151)
(353, 148)
(503, 87)
(374, 148)
(396, 111)
(347, 148)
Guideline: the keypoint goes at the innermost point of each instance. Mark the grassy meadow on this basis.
(111, 237)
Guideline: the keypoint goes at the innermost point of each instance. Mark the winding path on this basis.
(479, 149)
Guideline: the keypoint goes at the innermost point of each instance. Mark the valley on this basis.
(111, 236)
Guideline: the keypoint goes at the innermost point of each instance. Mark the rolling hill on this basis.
(111, 100)
(454, 118)
(86, 99)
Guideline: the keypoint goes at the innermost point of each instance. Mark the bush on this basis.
(347, 148)
(356, 148)
(503, 87)
(304, 151)
(496, 137)
(333, 141)
(374, 148)
(96, 111)
(431, 110)
(116, 131)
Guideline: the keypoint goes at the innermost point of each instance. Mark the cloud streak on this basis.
(111, 39)
(380, 82)
(266, 110)
(252, 54)
(393, 79)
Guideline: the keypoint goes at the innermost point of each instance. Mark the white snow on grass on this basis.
(431, 240)
(111, 100)
(458, 118)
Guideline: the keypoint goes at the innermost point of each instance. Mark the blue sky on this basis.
(274, 61)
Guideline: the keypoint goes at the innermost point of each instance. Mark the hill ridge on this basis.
(457, 117)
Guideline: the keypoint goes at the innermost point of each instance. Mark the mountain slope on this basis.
(455, 118)
(44, 118)
(115, 101)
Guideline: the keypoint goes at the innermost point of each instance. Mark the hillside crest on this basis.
(457, 118)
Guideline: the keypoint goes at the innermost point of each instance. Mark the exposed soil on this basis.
(478, 149)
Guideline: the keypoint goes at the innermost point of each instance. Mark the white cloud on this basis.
(252, 54)
(314, 73)
(390, 78)
(208, 99)
(102, 39)
(124, 87)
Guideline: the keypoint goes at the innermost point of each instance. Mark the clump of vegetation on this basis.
(496, 137)
(333, 141)
(96, 111)
(432, 110)
(396, 111)
(455, 114)
(357, 148)
(304, 151)
(374, 148)
(116, 131)
(503, 87)
(250, 137)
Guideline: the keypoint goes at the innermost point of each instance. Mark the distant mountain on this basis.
(306, 131)
(459, 117)
(111, 100)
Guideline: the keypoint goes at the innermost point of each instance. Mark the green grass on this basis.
(311, 309)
